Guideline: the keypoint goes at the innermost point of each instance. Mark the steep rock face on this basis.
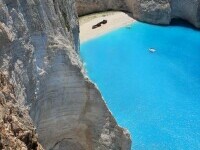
(186, 9)
(16, 128)
(163, 11)
(152, 11)
(90, 6)
(38, 52)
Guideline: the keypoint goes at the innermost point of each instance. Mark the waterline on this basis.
(155, 95)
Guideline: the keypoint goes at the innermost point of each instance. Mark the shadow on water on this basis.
(183, 23)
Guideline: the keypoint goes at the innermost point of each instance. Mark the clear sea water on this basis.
(156, 96)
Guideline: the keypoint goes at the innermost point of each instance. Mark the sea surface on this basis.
(156, 96)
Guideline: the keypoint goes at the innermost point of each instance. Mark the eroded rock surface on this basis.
(38, 52)
(91, 6)
(16, 128)
(152, 11)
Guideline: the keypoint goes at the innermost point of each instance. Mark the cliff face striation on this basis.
(38, 53)
(151, 11)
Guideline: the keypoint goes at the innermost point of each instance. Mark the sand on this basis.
(115, 20)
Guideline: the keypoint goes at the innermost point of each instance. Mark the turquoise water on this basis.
(156, 96)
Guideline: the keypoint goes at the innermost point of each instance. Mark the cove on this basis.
(156, 96)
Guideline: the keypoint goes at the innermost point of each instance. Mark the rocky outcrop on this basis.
(4, 35)
(91, 6)
(38, 52)
(163, 11)
(186, 9)
(16, 128)
(151, 11)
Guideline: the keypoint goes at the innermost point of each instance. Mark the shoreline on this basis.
(115, 20)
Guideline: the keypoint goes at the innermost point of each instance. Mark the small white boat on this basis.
(152, 50)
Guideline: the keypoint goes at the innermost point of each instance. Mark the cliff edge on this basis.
(39, 41)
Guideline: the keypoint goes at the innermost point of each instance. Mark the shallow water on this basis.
(155, 95)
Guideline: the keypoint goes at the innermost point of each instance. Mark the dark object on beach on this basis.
(104, 21)
(96, 26)
(99, 24)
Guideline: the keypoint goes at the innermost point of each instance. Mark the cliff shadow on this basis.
(183, 23)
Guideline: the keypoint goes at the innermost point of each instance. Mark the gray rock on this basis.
(90, 6)
(151, 11)
(39, 41)
(186, 9)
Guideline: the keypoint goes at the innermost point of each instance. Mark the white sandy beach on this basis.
(115, 20)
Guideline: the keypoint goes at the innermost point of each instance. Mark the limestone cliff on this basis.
(186, 9)
(151, 11)
(91, 6)
(163, 11)
(38, 52)
(16, 128)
